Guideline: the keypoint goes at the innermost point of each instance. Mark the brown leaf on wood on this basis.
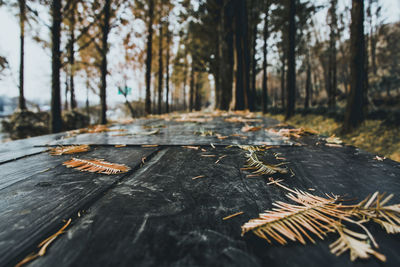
(96, 165)
(248, 128)
(66, 150)
(232, 215)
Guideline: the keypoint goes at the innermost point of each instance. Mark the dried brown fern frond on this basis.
(96, 165)
(312, 214)
(67, 150)
(354, 242)
(374, 208)
(262, 167)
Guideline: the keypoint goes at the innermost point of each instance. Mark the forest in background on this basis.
(261, 55)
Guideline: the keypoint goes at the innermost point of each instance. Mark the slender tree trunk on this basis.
(226, 62)
(283, 85)
(332, 72)
(243, 93)
(265, 63)
(55, 118)
(191, 93)
(354, 115)
(308, 85)
(72, 56)
(22, 19)
(148, 57)
(66, 91)
(104, 52)
(254, 65)
(197, 102)
(160, 67)
(167, 69)
(185, 73)
(291, 74)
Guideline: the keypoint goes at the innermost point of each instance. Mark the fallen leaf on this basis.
(248, 128)
(233, 215)
(197, 177)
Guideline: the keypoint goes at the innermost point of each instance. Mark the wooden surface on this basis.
(157, 215)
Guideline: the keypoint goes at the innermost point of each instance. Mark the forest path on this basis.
(186, 176)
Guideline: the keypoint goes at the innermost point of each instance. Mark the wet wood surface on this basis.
(158, 215)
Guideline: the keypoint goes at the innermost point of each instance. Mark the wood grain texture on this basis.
(31, 208)
(159, 216)
(181, 133)
(25, 147)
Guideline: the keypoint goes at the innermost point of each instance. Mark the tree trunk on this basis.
(167, 69)
(243, 94)
(160, 68)
(148, 57)
(55, 118)
(191, 96)
(197, 102)
(22, 19)
(226, 62)
(283, 85)
(308, 85)
(332, 70)
(291, 73)
(254, 64)
(104, 52)
(72, 56)
(265, 63)
(185, 73)
(66, 107)
(354, 115)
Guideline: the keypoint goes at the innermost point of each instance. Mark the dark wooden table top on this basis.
(157, 215)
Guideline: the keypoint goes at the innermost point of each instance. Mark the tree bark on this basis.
(160, 67)
(307, 99)
(22, 19)
(167, 69)
(226, 52)
(254, 65)
(185, 73)
(149, 57)
(191, 90)
(283, 85)
(243, 94)
(55, 118)
(291, 73)
(354, 115)
(104, 52)
(332, 69)
(265, 62)
(72, 56)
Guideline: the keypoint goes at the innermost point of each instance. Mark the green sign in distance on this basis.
(124, 90)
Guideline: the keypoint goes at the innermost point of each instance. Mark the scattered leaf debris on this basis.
(122, 145)
(232, 215)
(67, 150)
(149, 145)
(248, 128)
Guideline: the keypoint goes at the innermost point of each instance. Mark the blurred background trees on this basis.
(184, 55)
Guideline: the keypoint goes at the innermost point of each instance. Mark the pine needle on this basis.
(67, 150)
(96, 165)
(232, 215)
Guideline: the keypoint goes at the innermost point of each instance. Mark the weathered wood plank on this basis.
(160, 216)
(25, 147)
(182, 133)
(35, 203)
